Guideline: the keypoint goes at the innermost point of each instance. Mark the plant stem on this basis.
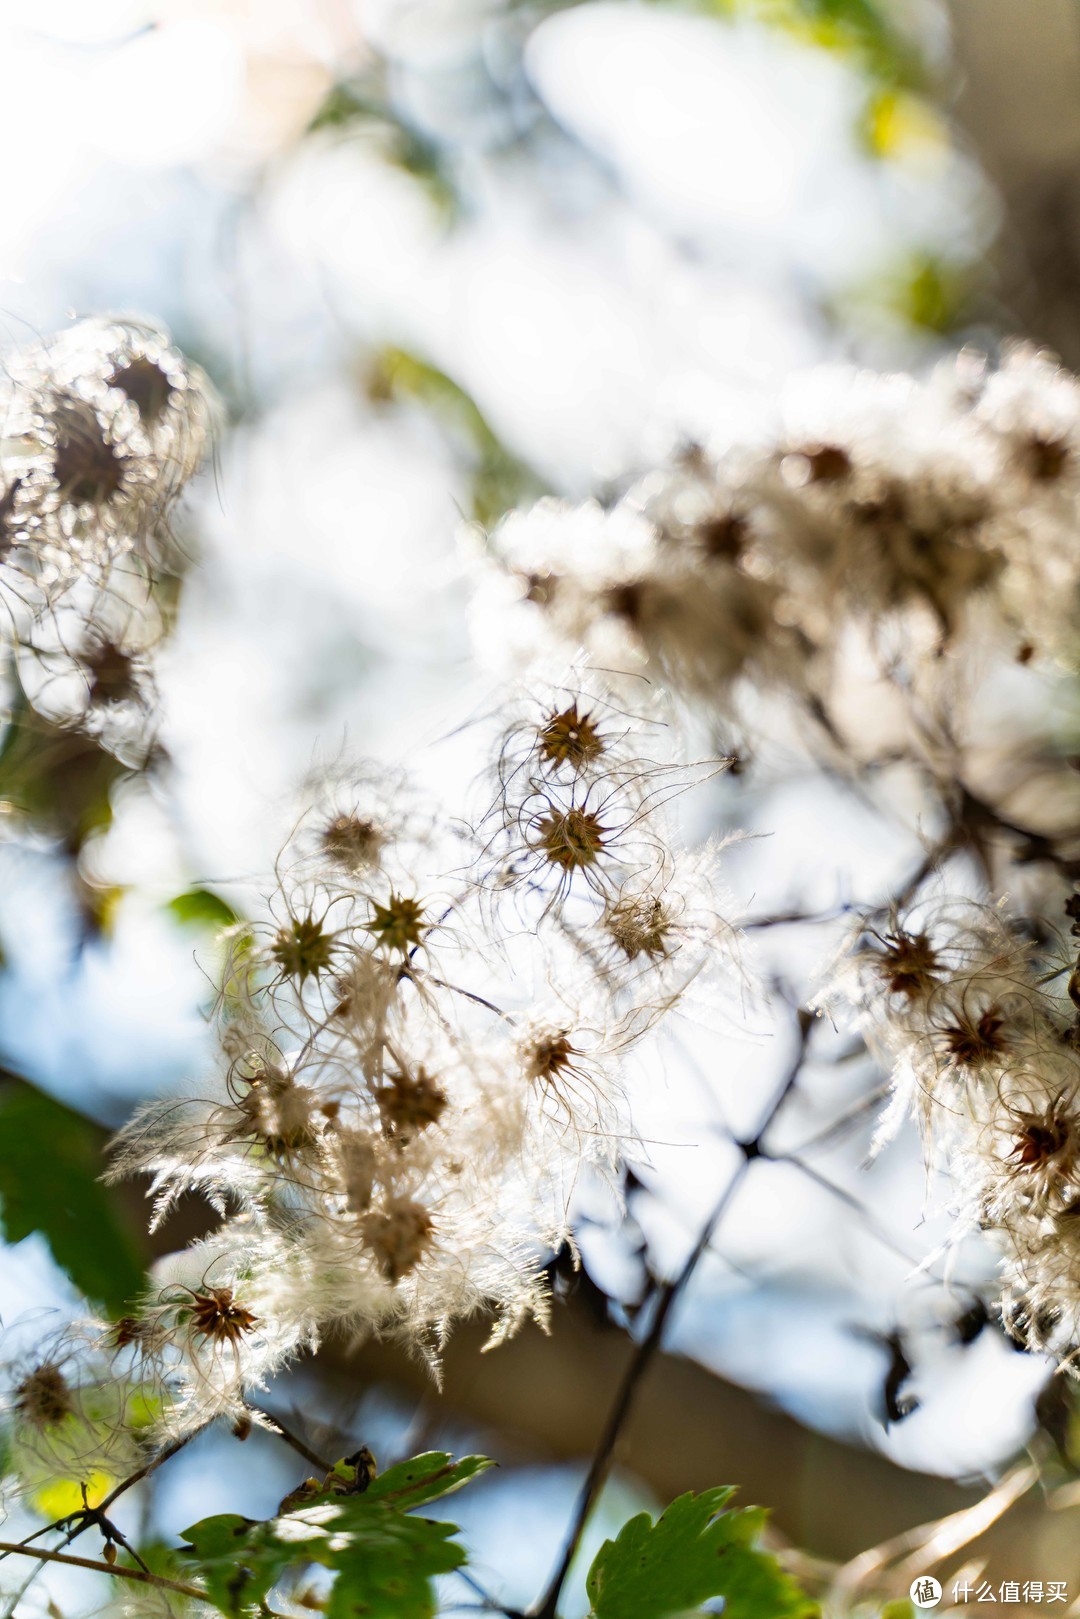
(291, 1438)
(138, 1574)
(664, 1297)
(604, 1455)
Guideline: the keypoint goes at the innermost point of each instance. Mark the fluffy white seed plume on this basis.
(867, 565)
(983, 1044)
(103, 426)
(944, 505)
(421, 1039)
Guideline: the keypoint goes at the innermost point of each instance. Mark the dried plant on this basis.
(422, 1025)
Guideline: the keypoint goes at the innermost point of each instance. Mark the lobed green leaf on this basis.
(694, 1552)
(384, 1559)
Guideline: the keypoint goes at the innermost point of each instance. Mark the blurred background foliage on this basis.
(440, 257)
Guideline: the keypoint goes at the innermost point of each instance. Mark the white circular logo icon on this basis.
(925, 1592)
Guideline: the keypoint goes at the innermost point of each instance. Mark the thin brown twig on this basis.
(77, 1523)
(151, 1466)
(938, 851)
(976, 815)
(934, 1541)
(291, 1438)
(778, 919)
(870, 1103)
(665, 1297)
(140, 1575)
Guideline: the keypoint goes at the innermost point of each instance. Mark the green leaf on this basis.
(200, 908)
(236, 1559)
(500, 480)
(384, 1559)
(50, 1160)
(404, 144)
(61, 780)
(425, 1478)
(387, 1571)
(862, 30)
(694, 1552)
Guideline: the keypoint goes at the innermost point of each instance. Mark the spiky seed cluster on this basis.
(890, 535)
(570, 838)
(68, 1412)
(43, 1398)
(302, 948)
(568, 737)
(398, 925)
(107, 423)
(399, 1235)
(640, 925)
(944, 506)
(410, 1102)
(972, 1021)
(86, 663)
(217, 1317)
(104, 425)
(402, 1107)
(352, 841)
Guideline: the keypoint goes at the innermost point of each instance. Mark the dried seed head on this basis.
(145, 384)
(825, 463)
(44, 1398)
(146, 1337)
(399, 924)
(569, 738)
(216, 1315)
(277, 1111)
(973, 1041)
(1041, 1139)
(357, 1169)
(125, 1332)
(571, 838)
(8, 502)
(110, 674)
(366, 990)
(540, 588)
(1044, 1159)
(908, 963)
(409, 1103)
(550, 1056)
(351, 841)
(626, 599)
(1046, 459)
(723, 536)
(302, 950)
(85, 465)
(640, 926)
(399, 1235)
